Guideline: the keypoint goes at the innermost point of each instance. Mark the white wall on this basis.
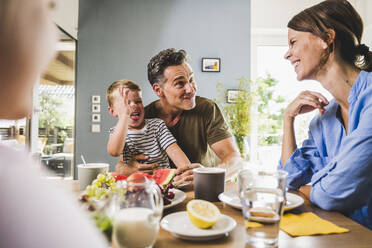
(274, 14)
(270, 17)
(368, 24)
(65, 16)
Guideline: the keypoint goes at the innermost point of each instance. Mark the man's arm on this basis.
(134, 166)
(230, 157)
(178, 157)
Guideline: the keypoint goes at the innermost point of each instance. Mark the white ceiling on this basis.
(65, 15)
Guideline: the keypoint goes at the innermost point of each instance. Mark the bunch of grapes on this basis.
(104, 223)
(102, 186)
(167, 195)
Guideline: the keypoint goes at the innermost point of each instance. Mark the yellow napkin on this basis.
(251, 224)
(306, 224)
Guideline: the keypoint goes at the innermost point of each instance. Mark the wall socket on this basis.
(96, 108)
(96, 117)
(96, 99)
(96, 128)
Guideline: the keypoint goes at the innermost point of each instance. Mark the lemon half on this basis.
(202, 214)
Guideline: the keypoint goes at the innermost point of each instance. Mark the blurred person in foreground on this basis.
(33, 212)
(325, 45)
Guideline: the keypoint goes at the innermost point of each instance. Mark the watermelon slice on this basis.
(164, 176)
(138, 177)
(118, 177)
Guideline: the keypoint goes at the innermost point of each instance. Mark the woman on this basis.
(325, 45)
(33, 213)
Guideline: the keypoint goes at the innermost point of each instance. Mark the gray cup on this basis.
(86, 174)
(209, 183)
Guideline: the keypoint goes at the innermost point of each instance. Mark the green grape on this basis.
(90, 191)
(96, 183)
(101, 177)
(99, 191)
(104, 223)
(102, 186)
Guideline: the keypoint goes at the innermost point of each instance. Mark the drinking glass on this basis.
(262, 194)
(139, 207)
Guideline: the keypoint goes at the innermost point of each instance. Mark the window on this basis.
(268, 56)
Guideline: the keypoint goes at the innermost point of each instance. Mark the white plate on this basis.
(293, 201)
(182, 185)
(232, 199)
(180, 226)
(179, 196)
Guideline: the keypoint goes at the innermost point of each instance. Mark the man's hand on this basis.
(134, 165)
(230, 157)
(185, 174)
(232, 167)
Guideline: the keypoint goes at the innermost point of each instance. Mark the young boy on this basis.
(134, 135)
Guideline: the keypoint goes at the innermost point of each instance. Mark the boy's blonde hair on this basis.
(128, 84)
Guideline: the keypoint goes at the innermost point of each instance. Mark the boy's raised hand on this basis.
(122, 103)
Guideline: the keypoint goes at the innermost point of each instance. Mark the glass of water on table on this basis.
(262, 194)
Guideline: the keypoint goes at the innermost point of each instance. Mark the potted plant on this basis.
(237, 111)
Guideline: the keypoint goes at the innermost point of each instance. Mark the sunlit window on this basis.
(270, 60)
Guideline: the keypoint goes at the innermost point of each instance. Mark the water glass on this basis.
(139, 207)
(262, 194)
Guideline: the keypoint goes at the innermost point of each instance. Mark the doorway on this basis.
(52, 125)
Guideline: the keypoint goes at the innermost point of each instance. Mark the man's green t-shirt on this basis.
(197, 129)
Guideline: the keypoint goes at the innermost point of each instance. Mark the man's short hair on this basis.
(128, 84)
(162, 60)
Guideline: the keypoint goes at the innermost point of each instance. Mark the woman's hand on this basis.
(306, 102)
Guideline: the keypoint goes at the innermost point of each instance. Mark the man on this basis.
(196, 122)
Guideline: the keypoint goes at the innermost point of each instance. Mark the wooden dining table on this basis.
(357, 237)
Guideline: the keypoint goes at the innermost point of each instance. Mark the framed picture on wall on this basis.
(211, 64)
(232, 95)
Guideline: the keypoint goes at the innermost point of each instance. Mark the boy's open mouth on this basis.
(135, 116)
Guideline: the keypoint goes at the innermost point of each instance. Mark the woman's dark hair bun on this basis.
(362, 49)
